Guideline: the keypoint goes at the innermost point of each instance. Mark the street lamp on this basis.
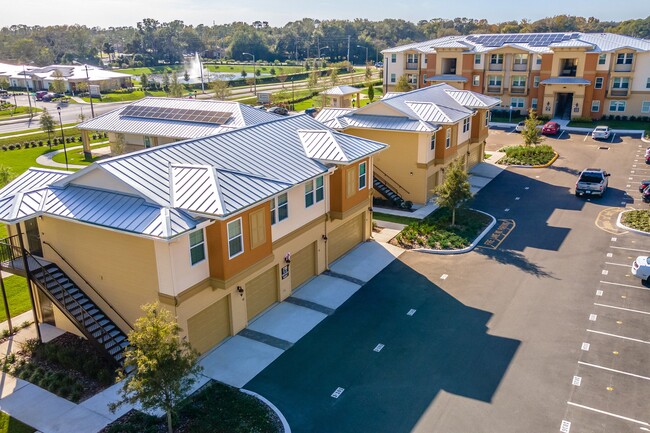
(326, 47)
(254, 76)
(65, 152)
(361, 46)
(92, 108)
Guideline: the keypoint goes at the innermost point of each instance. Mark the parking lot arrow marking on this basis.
(337, 393)
(585, 347)
(565, 427)
(576, 380)
(411, 312)
(378, 348)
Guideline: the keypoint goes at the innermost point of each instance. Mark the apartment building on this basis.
(426, 129)
(217, 229)
(565, 75)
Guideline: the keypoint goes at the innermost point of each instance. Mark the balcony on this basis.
(412, 66)
(520, 67)
(494, 89)
(518, 90)
(623, 67)
(495, 67)
(620, 92)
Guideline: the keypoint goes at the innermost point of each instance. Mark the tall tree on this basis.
(334, 76)
(221, 89)
(164, 365)
(175, 88)
(4, 83)
(403, 84)
(144, 81)
(371, 92)
(531, 134)
(455, 189)
(58, 84)
(47, 124)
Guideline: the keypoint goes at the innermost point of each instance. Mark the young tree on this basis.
(4, 83)
(221, 89)
(165, 81)
(334, 76)
(47, 124)
(368, 72)
(5, 175)
(58, 85)
(312, 82)
(244, 74)
(371, 92)
(81, 87)
(455, 189)
(164, 365)
(403, 84)
(144, 81)
(175, 88)
(530, 133)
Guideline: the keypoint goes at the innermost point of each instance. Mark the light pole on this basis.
(321, 48)
(293, 96)
(92, 108)
(28, 96)
(65, 152)
(254, 76)
(361, 46)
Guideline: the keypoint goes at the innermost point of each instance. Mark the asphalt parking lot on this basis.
(542, 329)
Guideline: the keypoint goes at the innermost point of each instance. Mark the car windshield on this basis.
(601, 129)
(591, 178)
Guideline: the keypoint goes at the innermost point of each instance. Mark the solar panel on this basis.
(533, 39)
(162, 113)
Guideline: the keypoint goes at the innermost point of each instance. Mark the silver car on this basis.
(601, 132)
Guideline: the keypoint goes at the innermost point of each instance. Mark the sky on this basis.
(113, 13)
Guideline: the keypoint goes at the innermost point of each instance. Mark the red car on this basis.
(551, 128)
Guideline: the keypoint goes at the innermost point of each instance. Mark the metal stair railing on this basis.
(393, 184)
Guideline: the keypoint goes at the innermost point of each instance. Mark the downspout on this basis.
(29, 281)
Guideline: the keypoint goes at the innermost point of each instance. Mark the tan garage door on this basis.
(341, 240)
(210, 326)
(303, 266)
(474, 157)
(261, 292)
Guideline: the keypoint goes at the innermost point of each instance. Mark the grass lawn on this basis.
(615, 124)
(34, 130)
(12, 425)
(527, 155)
(3, 231)
(215, 408)
(124, 97)
(76, 156)
(151, 69)
(236, 69)
(6, 114)
(393, 218)
(436, 232)
(17, 297)
(637, 219)
(516, 118)
(42, 136)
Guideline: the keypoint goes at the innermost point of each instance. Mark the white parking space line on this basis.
(627, 265)
(625, 285)
(561, 134)
(607, 413)
(630, 249)
(613, 136)
(621, 308)
(444, 276)
(625, 373)
(618, 336)
(585, 139)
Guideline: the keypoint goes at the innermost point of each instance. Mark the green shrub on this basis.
(527, 155)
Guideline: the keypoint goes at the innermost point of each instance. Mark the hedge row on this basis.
(53, 142)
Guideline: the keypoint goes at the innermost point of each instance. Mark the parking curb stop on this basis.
(620, 225)
(466, 249)
(283, 420)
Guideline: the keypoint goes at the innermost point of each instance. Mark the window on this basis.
(494, 80)
(647, 83)
(617, 106)
(476, 80)
(197, 247)
(487, 118)
(424, 79)
(477, 59)
(393, 58)
(517, 102)
(314, 195)
(362, 175)
(602, 59)
(496, 59)
(279, 208)
(392, 78)
(519, 81)
(621, 83)
(411, 58)
(448, 139)
(598, 84)
(645, 107)
(624, 58)
(147, 142)
(536, 81)
(521, 59)
(538, 59)
(466, 125)
(433, 141)
(412, 78)
(533, 103)
(595, 106)
(235, 238)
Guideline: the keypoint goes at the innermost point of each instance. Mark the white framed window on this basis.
(496, 59)
(487, 118)
(466, 125)
(426, 60)
(618, 106)
(320, 189)
(411, 58)
(645, 107)
(197, 247)
(519, 80)
(448, 138)
(521, 59)
(598, 84)
(476, 80)
(362, 175)
(412, 78)
(620, 83)
(433, 141)
(235, 238)
(624, 58)
(314, 191)
(393, 58)
(536, 81)
(477, 59)
(494, 80)
(595, 106)
(309, 193)
(533, 103)
(517, 102)
(602, 59)
(279, 208)
(538, 59)
(147, 142)
(392, 78)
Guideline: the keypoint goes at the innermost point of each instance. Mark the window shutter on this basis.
(351, 181)
(258, 228)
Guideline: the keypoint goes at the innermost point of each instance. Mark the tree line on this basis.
(151, 42)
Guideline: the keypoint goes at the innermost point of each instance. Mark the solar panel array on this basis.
(533, 39)
(183, 115)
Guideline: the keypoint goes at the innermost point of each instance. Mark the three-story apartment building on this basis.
(565, 75)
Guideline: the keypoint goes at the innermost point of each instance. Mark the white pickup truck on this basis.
(592, 181)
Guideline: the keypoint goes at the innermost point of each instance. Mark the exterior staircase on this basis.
(388, 193)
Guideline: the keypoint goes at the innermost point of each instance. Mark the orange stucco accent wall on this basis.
(339, 200)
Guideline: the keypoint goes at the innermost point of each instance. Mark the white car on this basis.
(641, 268)
(601, 132)
(520, 126)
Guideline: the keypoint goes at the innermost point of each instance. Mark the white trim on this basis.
(202, 243)
(241, 236)
(365, 176)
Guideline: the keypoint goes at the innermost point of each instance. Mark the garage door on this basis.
(474, 157)
(303, 266)
(262, 292)
(207, 328)
(344, 238)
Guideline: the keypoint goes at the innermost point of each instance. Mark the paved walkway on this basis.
(47, 158)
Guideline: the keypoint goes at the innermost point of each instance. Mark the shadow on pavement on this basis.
(445, 345)
(514, 258)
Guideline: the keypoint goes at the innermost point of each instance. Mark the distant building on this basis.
(215, 53)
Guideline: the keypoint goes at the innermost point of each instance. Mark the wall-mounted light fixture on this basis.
(240, 290)
(287, 258)
(324, 238)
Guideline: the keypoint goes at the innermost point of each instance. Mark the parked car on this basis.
(311, 111)
(644, 184)
(601, 132)
(641, 268)
(520, 126)
(647, 155)
(645, 194)
(551, 128)
(39, 95)
(278, 110)
(592, 181)
(4, 94)
(379, 65)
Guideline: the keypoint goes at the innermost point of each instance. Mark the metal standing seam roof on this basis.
(431, 94)
(434, 113)
(341, 91)
(470, 99)
(328, 113)
(32, 179)
(389, 123)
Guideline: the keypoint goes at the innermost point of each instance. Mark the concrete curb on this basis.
(547, 165)
(645, 140)
(620, 225)
(463, 250)
(285, 424)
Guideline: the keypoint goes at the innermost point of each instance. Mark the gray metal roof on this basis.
(328, 113)
(33, 178)
(341, 90)
(434, 113)
(390, 123)
(115, 121)
(470, 99)
(566, 80)
(458, 78)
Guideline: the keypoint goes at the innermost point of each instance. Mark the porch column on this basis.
(86, 144)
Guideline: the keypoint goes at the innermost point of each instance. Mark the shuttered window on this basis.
(258, 228)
